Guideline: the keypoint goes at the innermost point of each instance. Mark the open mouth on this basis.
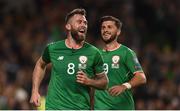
(82, 31)
(106, 34)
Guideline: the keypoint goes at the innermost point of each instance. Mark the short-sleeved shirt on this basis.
(120, 66)
(63, 90)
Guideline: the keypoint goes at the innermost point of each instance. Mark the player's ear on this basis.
(118, 32)
(68, 26)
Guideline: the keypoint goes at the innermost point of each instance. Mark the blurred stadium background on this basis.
(150, 27)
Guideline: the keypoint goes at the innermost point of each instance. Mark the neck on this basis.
(112, 46)
(71, 43)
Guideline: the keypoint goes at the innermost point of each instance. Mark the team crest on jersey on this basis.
(115, 61)
(83, 61)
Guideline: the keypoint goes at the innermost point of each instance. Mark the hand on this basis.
(35, 99)
(116, 90)
(82, 78)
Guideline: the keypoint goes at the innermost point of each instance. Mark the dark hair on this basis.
(118, 23)
(75, 11)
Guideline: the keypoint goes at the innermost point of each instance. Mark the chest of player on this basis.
(115, 67)
(70, 62)
(114, 62)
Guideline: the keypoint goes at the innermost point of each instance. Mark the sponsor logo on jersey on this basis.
(83, 60)
(60, 58)
(115, 62)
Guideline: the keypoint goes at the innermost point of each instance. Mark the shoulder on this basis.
(127, 49)
(53, 45)
(91, 47)
(127, 52)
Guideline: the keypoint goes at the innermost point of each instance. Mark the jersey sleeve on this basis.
(132, 62)
(46, 55)
(98, 63)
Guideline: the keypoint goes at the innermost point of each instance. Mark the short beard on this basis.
(112, 38)
(76, 37)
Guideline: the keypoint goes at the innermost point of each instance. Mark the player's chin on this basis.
(106, 40)
(82, 34)
(82, 37)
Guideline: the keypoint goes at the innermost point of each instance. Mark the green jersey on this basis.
(63, 90)
(120, 65)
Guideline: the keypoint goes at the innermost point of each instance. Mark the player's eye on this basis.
(103, 27)
(109, 27)
(79, 21)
